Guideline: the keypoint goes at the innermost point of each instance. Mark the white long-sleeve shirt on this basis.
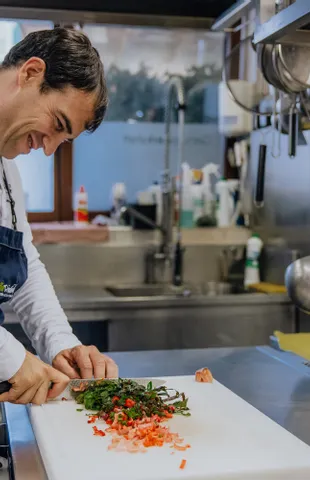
(36, 304)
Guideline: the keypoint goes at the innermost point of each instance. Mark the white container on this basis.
(225, 203)
(145, 198)
(234, 120)
(208, 195)
(197, 200)
(81, 207)
(253, 251)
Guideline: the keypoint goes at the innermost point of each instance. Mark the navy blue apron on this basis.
(13, 260)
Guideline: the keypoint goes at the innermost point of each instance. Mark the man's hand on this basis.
(85, 362)
(31, 384)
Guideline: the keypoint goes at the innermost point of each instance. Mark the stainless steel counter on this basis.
(90, 302)
(169, 322)
(276, 383)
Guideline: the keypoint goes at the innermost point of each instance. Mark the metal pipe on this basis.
(139, 216)
(175, 87)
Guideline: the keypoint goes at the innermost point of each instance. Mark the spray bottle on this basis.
(209, 199)
(226, 205)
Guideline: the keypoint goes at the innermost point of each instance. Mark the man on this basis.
(52, 88)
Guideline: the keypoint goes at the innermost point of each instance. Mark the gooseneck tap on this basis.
(175, 90)
(166, 251)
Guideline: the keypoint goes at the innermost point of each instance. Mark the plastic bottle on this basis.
(253, 251)
(81, 207)
(234, 186)
(119, 200)
(155, 189)
(197, 200)
(225, 203)
(186, 197)
(208, 195)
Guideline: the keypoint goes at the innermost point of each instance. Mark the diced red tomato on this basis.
(92, 419)
(99, 433)
(168, 414)
(140, 434)
(182, 464)
(129, 403)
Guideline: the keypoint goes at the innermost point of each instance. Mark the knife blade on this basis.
(79, 383)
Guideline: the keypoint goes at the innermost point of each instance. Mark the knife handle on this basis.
(5, 387)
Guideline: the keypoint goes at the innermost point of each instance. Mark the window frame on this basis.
(63, 179)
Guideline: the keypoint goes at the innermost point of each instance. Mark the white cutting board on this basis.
(229, 439)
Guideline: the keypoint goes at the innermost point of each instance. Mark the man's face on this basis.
(43, 120)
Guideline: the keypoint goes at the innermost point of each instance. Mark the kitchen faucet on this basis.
(166, 252)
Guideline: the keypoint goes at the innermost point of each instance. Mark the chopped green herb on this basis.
(79, 409)
(136, 401)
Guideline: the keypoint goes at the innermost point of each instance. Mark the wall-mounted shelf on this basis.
(291, 25)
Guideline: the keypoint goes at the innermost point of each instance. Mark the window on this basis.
(38, 188)
(129, 146)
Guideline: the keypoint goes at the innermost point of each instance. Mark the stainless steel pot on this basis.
(297, 281)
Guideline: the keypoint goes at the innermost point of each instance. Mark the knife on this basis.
(5, 387)
(78, 383)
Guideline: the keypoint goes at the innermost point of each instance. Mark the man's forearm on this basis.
(41, 315)
(12, 355)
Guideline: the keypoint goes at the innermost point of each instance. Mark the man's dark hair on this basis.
(70, 60)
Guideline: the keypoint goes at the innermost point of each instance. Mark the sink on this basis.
(166, 290)
(145, 290)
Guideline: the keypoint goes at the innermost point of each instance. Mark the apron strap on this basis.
(11, 200)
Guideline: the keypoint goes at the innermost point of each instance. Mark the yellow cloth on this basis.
(267, 288)
(298, 343)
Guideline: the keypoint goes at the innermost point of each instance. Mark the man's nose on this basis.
(50, 145)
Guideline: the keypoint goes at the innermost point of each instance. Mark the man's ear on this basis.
(32, 71)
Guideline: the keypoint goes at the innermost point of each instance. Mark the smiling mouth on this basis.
(30, 142)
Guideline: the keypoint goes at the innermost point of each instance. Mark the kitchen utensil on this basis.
(6, 386)
(231, 157)
(229, 439)
(76, 383)
(283, 127)
(276, 132)
(293, 130)
(295, 60)
(260, 179)
(258, 77)
(291, 123)
(297, 281)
